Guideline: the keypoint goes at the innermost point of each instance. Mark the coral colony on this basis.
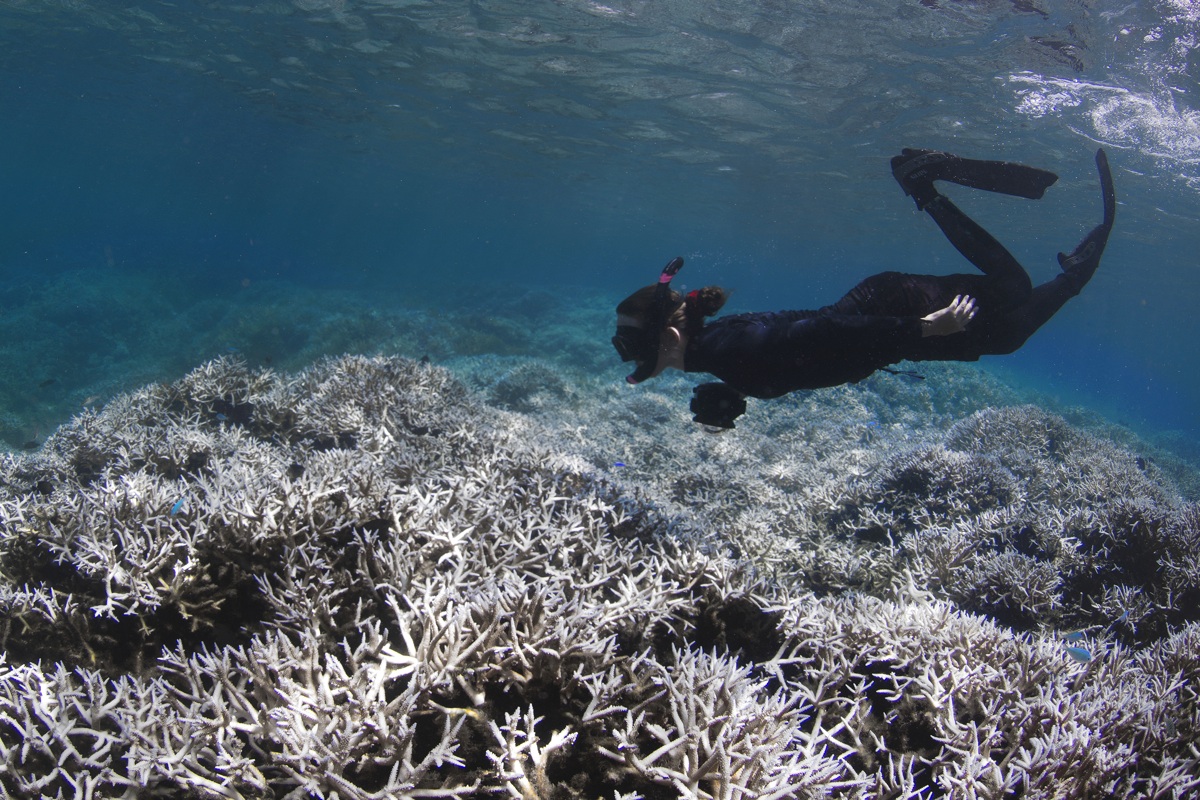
(372, 579)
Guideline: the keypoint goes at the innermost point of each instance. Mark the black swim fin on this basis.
(1081, 264)
(915, 170)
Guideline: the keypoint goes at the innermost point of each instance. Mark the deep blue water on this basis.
(409, 144)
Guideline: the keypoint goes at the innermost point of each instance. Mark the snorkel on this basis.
(640, 343)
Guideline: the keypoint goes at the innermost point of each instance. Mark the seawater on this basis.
(167, 170)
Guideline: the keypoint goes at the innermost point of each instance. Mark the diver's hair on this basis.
(687, 312)
(703, 303)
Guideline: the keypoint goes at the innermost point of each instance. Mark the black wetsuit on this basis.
(878, 322)
(773, 353)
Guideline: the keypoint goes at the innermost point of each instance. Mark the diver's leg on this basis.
(901, 294)
(1011, 284)
(916, 170)
(913, 168)
(1013, 329)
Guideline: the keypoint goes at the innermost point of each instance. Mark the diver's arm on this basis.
(951, 319)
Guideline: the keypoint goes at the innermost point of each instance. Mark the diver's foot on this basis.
(916, 170)
(1081, 264)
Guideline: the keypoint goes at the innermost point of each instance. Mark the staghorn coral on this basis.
(1011, 512)
(364, 578)
(357, 582)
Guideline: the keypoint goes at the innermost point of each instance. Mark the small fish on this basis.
(176, 508)
(47, 383)
(873, 423)
(1080, 654)
(221, 417)
(618, 463)
(1074, 636)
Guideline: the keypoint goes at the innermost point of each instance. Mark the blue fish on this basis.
(178, 505)
(1074, 637)
(1080, 654)
(618, 463)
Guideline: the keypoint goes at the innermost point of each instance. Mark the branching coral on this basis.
(710, 730)
(358, 582)
(353, 583)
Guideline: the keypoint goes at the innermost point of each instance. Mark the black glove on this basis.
(717, 404)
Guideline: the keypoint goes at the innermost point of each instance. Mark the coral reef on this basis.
(1008, 511)
(361, 581)
(84, 337)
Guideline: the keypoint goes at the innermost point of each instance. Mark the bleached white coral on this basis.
(709, 729)
(356, 581)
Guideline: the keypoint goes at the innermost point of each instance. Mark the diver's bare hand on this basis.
(951, 319)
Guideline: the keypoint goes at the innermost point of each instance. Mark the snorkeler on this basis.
(886, 318)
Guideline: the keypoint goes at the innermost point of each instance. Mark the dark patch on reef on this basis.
(219, 606)
(528, 387)
(906, 724)
(739, 626)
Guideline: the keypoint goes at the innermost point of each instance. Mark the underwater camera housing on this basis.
(717, 405)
